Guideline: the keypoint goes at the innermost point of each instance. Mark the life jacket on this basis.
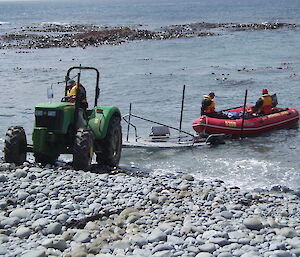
(267, 104)
(72, 95)
(210, 108)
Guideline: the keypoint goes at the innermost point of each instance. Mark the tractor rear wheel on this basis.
(15, 145)
(111, 145)
(83, 149)
(45, 159)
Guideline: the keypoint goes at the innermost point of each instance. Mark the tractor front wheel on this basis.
(15, 146)
(111, 145)
(83, 149)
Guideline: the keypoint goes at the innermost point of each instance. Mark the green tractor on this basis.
(67, 128)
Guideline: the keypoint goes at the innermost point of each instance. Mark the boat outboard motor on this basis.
(274, 100)
(215, 139)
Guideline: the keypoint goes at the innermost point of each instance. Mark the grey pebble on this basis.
(209, 247)
(250, 254)
(219, 241)
(23, 232)
(20, 173)
(204, 255)
(3, 178)
(175, 240)
(138, 240)
(161, 247)
(20, 213)
(157, 235)
(10, 221)
(226, 214)
(82, 237)
(3, 250)
(59, 244)
(54, 228)
(253, 223)
(34, 253)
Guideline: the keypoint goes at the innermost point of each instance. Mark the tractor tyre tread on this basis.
(83, 149)
(15, 145)
(111, 145)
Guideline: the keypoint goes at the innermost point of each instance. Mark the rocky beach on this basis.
(57, 211)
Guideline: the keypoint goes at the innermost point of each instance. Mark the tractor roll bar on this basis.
(97, 89)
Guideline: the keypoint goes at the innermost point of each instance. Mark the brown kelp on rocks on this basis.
(84, 35)
(57, 211)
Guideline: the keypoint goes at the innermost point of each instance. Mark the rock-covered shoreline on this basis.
(56, 211)
(84, 35)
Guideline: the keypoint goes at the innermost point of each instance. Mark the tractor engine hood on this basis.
(55, 105)
(54, 116)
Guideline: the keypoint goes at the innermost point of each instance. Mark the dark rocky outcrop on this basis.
(64, 36)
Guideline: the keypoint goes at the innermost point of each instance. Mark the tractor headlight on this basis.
(51, 113)
(39, 113)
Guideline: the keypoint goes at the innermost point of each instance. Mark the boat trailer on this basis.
(160, 136)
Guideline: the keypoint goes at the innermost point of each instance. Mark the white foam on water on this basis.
(250, 173)
(57, 23)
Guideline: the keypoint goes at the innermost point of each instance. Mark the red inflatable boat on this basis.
(230, 122)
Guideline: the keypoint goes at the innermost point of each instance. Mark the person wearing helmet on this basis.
(72, 88)
(208, 105)
(264, 103)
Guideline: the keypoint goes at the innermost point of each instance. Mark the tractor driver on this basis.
(72, 88)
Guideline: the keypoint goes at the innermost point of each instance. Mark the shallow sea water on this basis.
(151, 75)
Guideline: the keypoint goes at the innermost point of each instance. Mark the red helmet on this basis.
(265, 91)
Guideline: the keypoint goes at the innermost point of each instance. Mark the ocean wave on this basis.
(4, 23)
(56, 23)
(253, 173)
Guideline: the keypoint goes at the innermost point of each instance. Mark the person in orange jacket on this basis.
(72, 88)
(264, 103)
(208, 105)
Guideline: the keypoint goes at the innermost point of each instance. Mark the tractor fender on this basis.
(99, 120)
